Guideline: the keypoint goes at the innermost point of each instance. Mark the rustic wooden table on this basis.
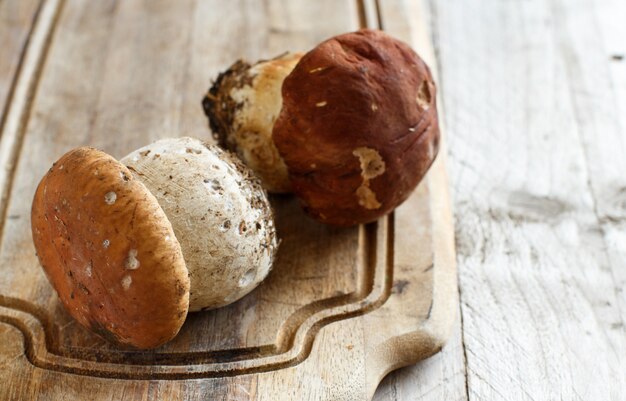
(535, 100)
(534, 94)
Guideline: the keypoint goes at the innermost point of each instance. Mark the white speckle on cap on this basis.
(106, 243)
(126, 282)
(374, 107)
(321, 104)
(131, 261)
(110, 198)
(247, 278)
(168, 238)
(88, 269)
(372, 165)
(61, 167)
(367, 197)
(424, 97)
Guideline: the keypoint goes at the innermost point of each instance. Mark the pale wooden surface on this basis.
(16, 20)
(341, 308)
(535, 101)
(535, 111)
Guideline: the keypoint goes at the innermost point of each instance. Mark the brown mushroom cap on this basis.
(109, 250)
(358, 127)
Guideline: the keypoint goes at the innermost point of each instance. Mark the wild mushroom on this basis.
(358, 126)
(242, 106)
(130, 250)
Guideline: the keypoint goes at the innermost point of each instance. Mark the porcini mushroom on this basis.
(130, 250)
(358, 127)
(242, 106)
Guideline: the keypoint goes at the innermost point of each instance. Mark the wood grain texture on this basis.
(342, 307)
(534, 94)
(532, 97)
(16, 20)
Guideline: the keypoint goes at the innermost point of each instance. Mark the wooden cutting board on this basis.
(341, 308)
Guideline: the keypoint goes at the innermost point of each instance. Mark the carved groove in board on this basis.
(284, 338)
(294, 339)
(378, 258)
(15, 120)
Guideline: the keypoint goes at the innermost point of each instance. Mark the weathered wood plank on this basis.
(532, 125)
(588, 37)
(23, 62)
(591, 38)
(441, 377)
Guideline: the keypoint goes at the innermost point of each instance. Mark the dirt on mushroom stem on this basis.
(242, 106)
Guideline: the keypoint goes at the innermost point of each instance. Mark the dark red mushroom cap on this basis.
(358, 127)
